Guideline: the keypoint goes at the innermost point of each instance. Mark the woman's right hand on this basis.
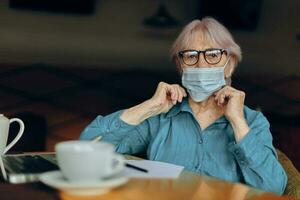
(164, 98)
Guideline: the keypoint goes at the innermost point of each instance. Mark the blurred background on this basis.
(63, 62)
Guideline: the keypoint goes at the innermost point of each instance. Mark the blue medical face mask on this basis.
(202, 82)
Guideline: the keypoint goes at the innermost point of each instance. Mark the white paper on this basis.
(155, 169)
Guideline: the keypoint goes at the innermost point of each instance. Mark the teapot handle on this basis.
(21, 130)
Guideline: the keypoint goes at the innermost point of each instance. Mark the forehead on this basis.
(200, 40)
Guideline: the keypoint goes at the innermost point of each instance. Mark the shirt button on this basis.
(200, 141)
(243, 162)
(117, 124)
(237, 152)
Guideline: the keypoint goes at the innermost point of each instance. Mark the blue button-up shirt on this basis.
(176, 137)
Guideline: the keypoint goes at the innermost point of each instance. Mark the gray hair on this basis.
(212, 30)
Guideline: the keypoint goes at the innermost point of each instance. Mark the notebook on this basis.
(24, 168)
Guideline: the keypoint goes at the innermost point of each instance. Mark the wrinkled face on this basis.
(204, 53)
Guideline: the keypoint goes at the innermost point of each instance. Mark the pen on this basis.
(98, 138)
(136, 168)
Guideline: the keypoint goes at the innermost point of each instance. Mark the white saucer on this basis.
(56, 180)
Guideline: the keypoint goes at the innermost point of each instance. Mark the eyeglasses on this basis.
(211, 56)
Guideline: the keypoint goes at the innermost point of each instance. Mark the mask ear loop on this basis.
(227, 80)
(227, 62)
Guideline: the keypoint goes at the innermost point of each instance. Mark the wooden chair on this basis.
(293, 186)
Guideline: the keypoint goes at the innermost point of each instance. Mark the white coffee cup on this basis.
(4, 131)
(85, 161)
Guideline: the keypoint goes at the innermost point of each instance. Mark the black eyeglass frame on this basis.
(180, 54)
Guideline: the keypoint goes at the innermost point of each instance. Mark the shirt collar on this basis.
(185, 107)
(180, 107)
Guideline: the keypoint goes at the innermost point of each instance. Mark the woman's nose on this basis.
(201, 62)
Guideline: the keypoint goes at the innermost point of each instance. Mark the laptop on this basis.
(24, 168)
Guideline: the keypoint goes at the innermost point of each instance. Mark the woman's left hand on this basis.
(232, 100)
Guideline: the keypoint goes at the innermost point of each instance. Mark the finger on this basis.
(180, 94)
(171, 92)
(183, 91)
(174, 95)
(162, 89)
(225, 96)
(165, 90)
(220, 97)
(223, 90)
(218, 94)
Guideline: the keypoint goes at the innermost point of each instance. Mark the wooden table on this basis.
(189, 186)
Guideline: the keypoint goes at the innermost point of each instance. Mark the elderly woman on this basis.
(205, 127)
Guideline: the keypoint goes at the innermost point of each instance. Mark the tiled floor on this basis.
(69, 98)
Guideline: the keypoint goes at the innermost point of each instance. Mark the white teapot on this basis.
(4, 130)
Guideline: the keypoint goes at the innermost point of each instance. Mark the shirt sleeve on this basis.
(128, 139)
(257, 158)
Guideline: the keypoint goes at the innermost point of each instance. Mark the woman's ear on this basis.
(229, 69)
(178, 65)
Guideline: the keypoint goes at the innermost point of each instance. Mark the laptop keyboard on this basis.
(28, 164)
